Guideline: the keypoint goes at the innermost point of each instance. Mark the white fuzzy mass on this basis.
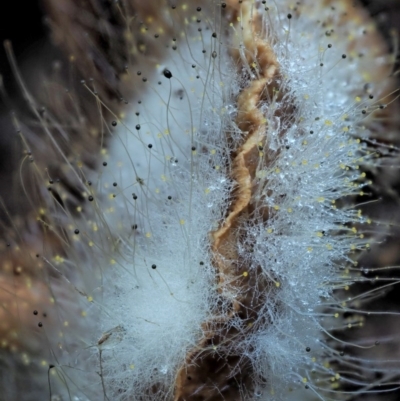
(169, 158)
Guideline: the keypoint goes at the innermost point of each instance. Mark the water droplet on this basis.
(164, 369)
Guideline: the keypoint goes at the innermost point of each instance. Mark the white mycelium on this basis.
(143, 266)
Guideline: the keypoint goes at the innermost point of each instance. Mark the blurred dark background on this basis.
(23, 24)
